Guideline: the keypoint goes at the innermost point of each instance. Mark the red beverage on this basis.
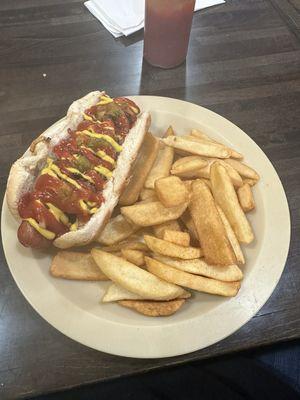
(167, 31)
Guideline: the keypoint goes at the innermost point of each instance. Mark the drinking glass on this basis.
(167, 31)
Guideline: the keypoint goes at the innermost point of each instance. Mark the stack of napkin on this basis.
(124, 17)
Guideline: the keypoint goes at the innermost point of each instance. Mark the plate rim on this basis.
(153, 353)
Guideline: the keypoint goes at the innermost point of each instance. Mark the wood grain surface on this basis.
(243, 63)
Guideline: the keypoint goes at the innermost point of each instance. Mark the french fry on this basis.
(189, 223)
(207, 182)
(251, 182)
(153, 308)
(171, 191)
(133, 278)
(162, 165)
(231, 237)
(76, 266)
(243, 169)
(136, 257)
(188, 164)
(141, 169)
(211, 232)
(159, 230)
(230, 273)
(226, 197)
(116, 230)
(234, 175)
(196, 282)
(203, 136)
(180, 238)
(203, 148)
(130, 244)
(245, 197)
(171, 249)
(154, 213)
(148, 194)
(115, 292)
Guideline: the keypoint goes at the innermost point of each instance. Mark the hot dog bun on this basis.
(25, 170)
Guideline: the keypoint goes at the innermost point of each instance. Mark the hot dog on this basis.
(67, 183)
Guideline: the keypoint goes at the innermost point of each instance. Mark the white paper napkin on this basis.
(124, 17)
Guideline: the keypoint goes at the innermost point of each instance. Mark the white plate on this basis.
(74, 309)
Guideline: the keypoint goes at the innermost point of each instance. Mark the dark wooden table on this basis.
(243, 63)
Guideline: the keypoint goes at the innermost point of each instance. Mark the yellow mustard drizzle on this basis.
(77, 172)
(107, 138)
(44, 232)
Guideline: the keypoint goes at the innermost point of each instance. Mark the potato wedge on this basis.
(207, 182)
(116, 230)
(180, 238)
(231, 237)
(188, 164)
(153, 213)
(251, 182)
(153, 308)
(196, 282)
(211, 232)
(136, 257)
(189, 223)
(234, 175)
(140, 170)
(170, 249)
(159, 230)
(130, 244)
(148, 194)
(171, 191)
(245, 197)
(76, 266)
(115, 292)
(230, 273)
(135, 279)
(243, 169)
(203, 148)
(162, 165)
(227, 199)
(203, 136)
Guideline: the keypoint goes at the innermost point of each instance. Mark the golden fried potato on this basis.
(187, 164)
(116, 230)
(171, 191)
(171, 249)
(245, 197)
(128, 244)
(159, 230)
(244, 170)
(115, 292)
(180, 238)
(133, 278)
(251, 182)
(211, 232)
(141, 169)
(76, 266)
(153, 308)
(189, 223)
(231, 237)
(148, 194)
(229, 273)
(196, 282)
(234, 175)
(201, 135)
(203, 148)
(162, 165)
(227, 199)
(153, 213)
(136, 257)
